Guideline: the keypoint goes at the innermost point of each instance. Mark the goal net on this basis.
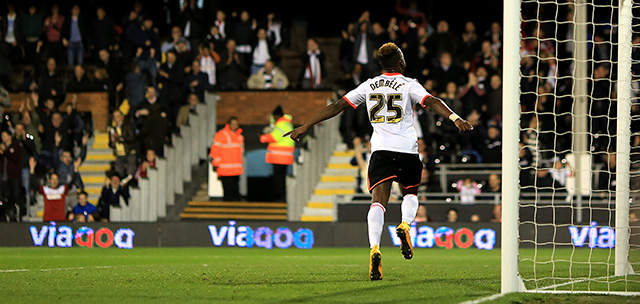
(571, 146)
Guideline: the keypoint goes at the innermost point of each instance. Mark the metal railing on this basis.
(308, 170)
(154, 194)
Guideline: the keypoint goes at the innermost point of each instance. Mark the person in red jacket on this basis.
(226, 154)
(55, 195)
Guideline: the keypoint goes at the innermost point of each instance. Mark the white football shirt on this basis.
(390, 98)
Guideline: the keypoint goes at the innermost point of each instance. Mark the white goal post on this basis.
(570, 252)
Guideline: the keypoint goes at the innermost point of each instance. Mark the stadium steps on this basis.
(235, 210)
(338, 179)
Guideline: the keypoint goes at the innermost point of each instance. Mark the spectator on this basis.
(64, 167)
(83, 211)
(79, 82)
(11, 31)
(115, 193)
(268, 77)
(191, 19)
(495, 183)
(221, 23)
(55, 194)
(208, 64)
(215, 39)
(51, 83)
(149, 106)
(196, 82)
(313, 69)
(470, 41)
(176, 35)
(606, 186)
(28, 147)
(147, 163)
(468, 190)
(280, 151)
(232, 68)
(243, 31)
(492, 148)
(122, 138)
(447, 72)
(444, 41)
(11, 165)
(472, 95)
(114, 72)
(421, 215)
(263, 51)
(186, 110)
(226, 154)
(154, 131)
(74, 36)
(56, 133)
(363, 45)
(362, 153)
(452, 215)
(146, 43)
(171, 78)
(494, 99)
(560, 173)
(32, 30)
(475, 218)
(53, 33)
(497, 213)
(104, 35)
(135, 83)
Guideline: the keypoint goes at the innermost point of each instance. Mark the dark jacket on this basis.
(172, 85)
(103, 33)
(109, 198)
(82, 26)
(127, 137)
(17, 27)
(10, 165)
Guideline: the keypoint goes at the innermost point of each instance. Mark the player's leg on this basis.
(375, 225)
(409, 179)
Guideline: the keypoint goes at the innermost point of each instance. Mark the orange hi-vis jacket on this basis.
(226, 152)
(280, 149)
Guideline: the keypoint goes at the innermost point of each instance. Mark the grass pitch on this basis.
(215, 275)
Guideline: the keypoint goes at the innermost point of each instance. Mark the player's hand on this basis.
(463, 125)
(297, 133)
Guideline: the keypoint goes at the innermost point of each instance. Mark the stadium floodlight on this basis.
(570, 98)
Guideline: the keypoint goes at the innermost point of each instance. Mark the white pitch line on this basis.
(53, 269)
(485, 299)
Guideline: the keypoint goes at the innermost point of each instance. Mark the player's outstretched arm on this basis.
(437, 105)
(327, 112)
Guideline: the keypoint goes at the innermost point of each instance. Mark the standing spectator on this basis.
(32, 31)
(208, 62)
(444, 41)
(263, 51)
(226, 154)
(171, 78)
(468, 190)
(196, 81)
(135, 84)
(122, 141)
(447, 72)
(103, 33)
(470, 42)
(494, 98)
(221, 23)
(421, 215)
(74, 36)
(215, 39)
(363, 45)
(191, 19)
(114, 193)
(560, 173)
(313, 68)
(491, 150)
(54, 194)
(268, 77)
(79, 82)
(495, 183)
(186, 110)
(11, 31)
(11, 166)
(51, 83)
(146, 43)
(53, 33)
(280, 151)
(243, 31)
(154, 126)
(232, 69)
(28, 146)
(84, 211)
(112, 64)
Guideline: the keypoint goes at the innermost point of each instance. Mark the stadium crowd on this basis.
(154, 79)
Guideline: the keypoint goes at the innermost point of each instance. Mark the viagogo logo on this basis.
(264, 237)
(445, 237)
(63, 236)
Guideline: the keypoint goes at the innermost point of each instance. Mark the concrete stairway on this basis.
(98, 161)
(338, 179)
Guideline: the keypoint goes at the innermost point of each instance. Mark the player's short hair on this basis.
(389, 54)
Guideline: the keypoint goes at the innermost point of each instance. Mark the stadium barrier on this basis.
(283, 235)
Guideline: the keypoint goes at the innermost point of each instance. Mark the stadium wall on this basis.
(283, 235)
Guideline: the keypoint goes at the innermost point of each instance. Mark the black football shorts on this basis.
(404, 168)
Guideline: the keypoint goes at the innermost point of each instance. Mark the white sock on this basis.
(375, 221)
(409, 208)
